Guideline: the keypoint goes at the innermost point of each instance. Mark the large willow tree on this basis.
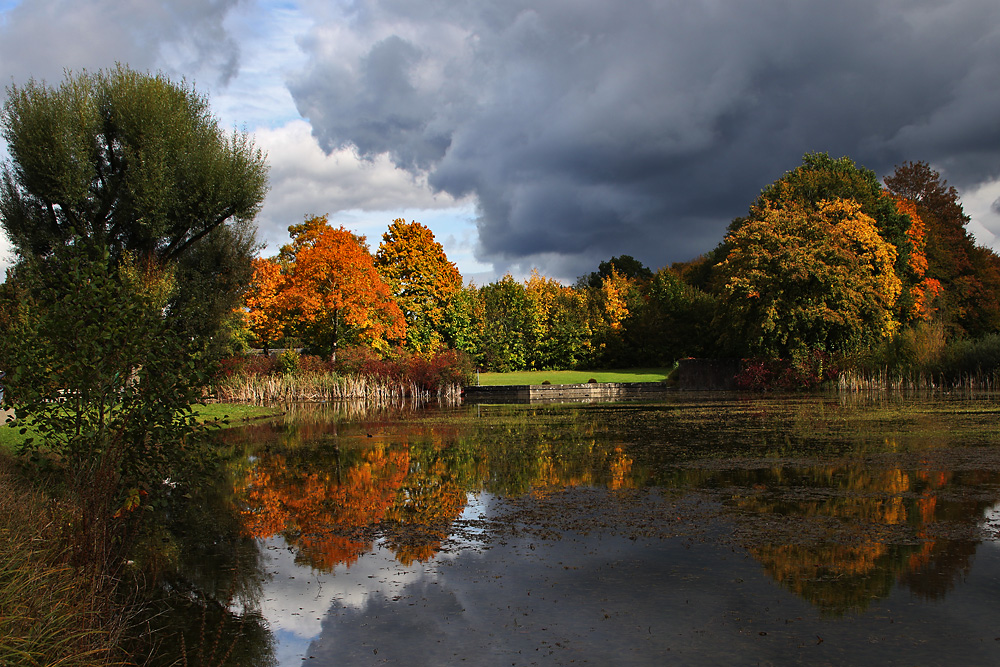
(135, 164)
(130, 213)
(131, 161)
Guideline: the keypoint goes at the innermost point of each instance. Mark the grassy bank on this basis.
(575, 377)
(231, 413)
(47, 613)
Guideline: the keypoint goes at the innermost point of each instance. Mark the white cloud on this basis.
(305, 180)
(980, 204)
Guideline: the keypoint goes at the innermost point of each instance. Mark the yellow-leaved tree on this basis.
(421, 278)
(799, 278)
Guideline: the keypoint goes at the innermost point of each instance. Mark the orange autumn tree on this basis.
(422, 279)
(925, 291)
(335, 291)
(265, 314)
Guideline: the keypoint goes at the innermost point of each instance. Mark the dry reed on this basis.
(885, 380)
(325, 387)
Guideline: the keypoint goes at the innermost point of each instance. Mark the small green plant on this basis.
(288, 362)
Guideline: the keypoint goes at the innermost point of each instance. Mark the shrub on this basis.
(314, 364)
(288, 362)
(801, 372)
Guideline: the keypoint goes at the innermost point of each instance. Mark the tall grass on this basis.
(920, 358)
(50, 612)
(358, 375)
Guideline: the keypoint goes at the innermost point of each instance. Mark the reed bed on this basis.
(326, 387)
(851, 381)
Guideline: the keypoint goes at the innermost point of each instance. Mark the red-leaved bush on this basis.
(445, 368)
(806, 372)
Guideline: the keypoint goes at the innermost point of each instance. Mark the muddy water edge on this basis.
(699, 529)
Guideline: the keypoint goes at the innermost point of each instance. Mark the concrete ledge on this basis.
(534, 393)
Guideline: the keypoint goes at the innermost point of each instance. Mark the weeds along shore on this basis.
(358, 375)
(287, 387)
(51, 612)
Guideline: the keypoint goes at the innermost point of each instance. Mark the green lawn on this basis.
(10, 436)
(575, 377)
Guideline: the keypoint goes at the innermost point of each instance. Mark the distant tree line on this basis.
(828, 262)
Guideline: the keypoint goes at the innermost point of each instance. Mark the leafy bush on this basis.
(288, 362)
(801, 372)
(968, 358)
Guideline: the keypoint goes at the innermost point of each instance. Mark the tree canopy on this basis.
(132, 161)
(420, 276)
(968, 300)
(797, 279)
(335, 291)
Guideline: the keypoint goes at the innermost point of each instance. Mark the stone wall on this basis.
(534, 393)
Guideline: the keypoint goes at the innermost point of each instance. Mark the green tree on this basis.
(422, 279)
(459, 325)
(676, 322)
(105, 379)
(504, 321)
(797, 278)
(130, 213)
(560, 334)
(624, 265)
(137, 164)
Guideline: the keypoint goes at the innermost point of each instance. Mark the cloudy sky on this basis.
(555, 133)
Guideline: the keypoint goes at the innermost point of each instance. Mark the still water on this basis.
(701, 529)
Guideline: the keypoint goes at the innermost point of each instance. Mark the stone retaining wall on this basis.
(534, 393)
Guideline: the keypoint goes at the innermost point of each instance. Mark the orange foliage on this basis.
(319, 511)
(264, 312)
(334, 288)
(925, 291)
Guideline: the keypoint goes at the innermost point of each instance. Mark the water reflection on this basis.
(356, 514)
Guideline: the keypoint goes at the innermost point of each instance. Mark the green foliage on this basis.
(458, 327)
(288, 361)
(503, 324)
(136, 164)
(676, 321)
(972, 358)
(128, 160)
(624, 265)
(100, 372)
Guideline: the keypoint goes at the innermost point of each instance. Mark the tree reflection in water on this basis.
(839, 501)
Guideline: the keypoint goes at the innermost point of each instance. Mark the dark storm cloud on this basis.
(591, 129)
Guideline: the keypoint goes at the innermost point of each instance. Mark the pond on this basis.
(700, 529)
